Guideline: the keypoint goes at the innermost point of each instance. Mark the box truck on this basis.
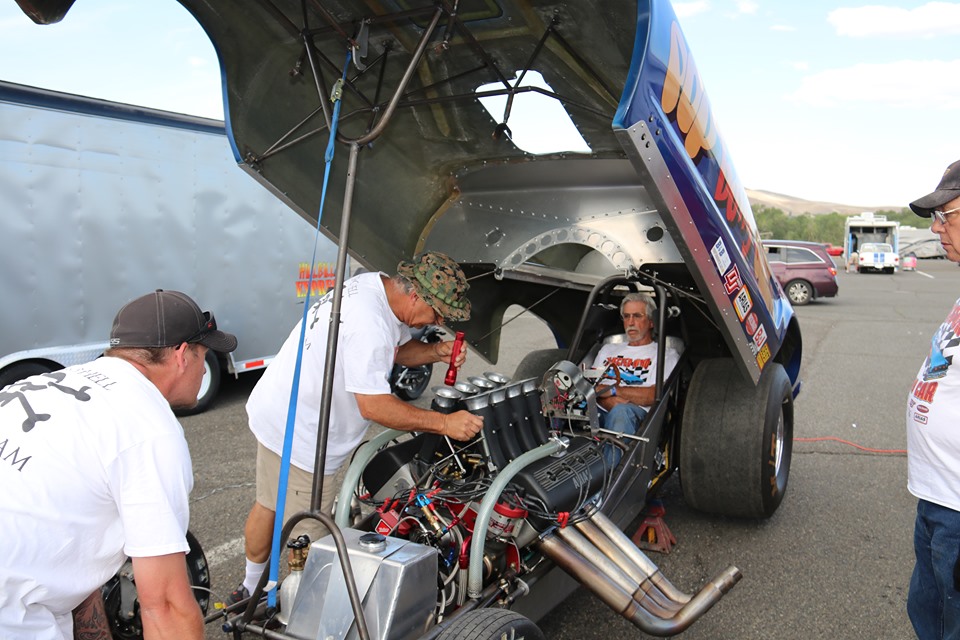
(103, 202)
(871, 243)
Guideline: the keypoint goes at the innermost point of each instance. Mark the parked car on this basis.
(833, 250)
(804, 269)
(909, 262)
(877, 256)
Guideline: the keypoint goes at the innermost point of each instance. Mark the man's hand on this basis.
(444, 349)
(461, 425)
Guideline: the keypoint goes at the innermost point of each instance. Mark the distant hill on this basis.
(796, 206)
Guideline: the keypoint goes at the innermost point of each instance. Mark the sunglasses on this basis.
(209, 324)
(941, 216)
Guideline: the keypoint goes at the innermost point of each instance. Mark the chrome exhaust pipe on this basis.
(626, 580)
(600, 528)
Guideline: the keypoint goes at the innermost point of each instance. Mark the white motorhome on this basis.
(103, 202)
(879, 236)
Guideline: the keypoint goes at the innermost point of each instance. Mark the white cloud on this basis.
(801, 65)
(782, 27)
(907, 83)
(687, 9)
(931, 19)
(747, 6)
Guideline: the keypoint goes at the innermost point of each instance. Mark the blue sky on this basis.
(850, 102)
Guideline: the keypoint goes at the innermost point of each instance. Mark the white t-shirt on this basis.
(637, 364)
(366, 348)
(933, 420)
(93, 467)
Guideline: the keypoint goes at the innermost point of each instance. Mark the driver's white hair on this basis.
(650, 306)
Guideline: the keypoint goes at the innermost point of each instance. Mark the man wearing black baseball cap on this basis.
(943, 205)
(933, 445)
(96, 470)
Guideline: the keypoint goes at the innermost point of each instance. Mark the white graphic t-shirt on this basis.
(637, 365)
(369, 336)
(93, 468)
(933, 420)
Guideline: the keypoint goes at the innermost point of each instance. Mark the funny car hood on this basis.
(656, 192)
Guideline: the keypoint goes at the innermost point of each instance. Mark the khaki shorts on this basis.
(299, 490)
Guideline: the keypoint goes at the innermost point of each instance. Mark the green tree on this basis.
(828, 227)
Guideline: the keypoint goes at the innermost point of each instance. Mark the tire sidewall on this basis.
(779, 407)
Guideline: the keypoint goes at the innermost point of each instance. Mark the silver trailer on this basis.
(103, 202)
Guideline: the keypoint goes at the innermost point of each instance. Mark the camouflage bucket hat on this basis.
(440, 282)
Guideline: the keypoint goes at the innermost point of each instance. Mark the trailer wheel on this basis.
(492, 624)
(209, 386)
(536, 363)
(736, 440)
(120, 593)
(800, 292)
(21, 370)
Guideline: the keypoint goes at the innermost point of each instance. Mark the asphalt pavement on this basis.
(833, 562)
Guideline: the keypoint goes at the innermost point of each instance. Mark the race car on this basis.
(374, 119)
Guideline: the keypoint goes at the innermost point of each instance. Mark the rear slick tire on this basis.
(736, 440)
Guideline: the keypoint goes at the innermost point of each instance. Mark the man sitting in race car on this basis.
(627, 398)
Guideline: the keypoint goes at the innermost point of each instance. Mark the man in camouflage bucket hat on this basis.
(376, 316)
(440, 282)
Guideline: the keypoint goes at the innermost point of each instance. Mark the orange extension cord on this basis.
(900, 452)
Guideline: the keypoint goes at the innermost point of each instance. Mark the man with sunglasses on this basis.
(95, 468)
(933, 445)
(377, 314)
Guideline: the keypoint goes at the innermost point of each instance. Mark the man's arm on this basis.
(168, 608)
(414, 353)
(641, 396)
(90, 619)
(394, 413)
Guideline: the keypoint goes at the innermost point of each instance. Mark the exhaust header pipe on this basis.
(605, 560)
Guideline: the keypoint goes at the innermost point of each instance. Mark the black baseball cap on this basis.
(167, 319)
(947, 190)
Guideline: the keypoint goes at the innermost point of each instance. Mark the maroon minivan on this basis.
(804, 269)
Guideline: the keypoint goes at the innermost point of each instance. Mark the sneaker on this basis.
(238, 595)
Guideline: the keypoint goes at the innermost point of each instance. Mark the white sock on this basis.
(254, 571)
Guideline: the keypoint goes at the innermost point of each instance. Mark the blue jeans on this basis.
(933, 603)
(623, 418)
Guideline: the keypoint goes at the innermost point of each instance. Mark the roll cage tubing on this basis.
(380, 116)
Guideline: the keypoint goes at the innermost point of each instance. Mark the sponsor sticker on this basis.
(742, 303)
(720, 256)
(383, 528)
(763, 356)
(751, 323)
(732, 281)
(760, 337)
(919, 417)
(923, 408)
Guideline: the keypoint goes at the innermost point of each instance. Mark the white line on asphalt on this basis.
(926, 275)
(226, 551)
